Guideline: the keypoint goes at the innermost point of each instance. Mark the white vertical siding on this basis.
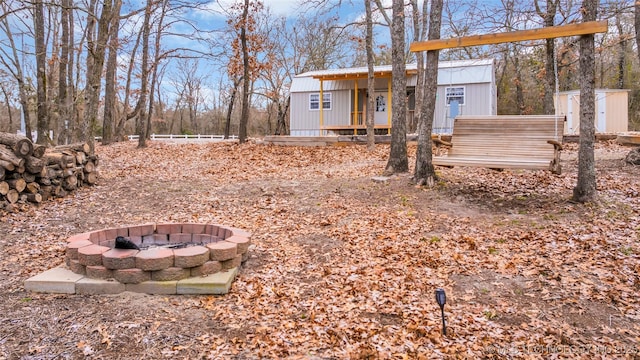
(611, 112)
(479, 100)
(477, 76)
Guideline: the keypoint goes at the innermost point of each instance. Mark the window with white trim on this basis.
(454, 94)
(314, 101)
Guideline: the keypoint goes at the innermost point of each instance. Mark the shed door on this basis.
(601, 112)
(573, 114)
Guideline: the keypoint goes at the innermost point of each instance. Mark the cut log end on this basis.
(12, 196)
(34, 198)
(4, 188)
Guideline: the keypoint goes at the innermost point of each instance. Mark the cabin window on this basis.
(314, 101)
(454, 94)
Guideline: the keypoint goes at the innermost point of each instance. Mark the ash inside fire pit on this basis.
(124, 243)
(171, 246)
(165, 252)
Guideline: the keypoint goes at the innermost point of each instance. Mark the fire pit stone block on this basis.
(119, 258)
(193, 228)
(131, 276)
(190, 257)
(154, 259)
(72, 248)
(204, 238)
(208, 268)
(91, 255)
(76, 267)
(76, 237)
(97, 236)
(222, 250)
(142, 230)
(232, 263)
(177, 238)
(155, 239)
(170, 274)
(99, 272)
(241, 241)
(168, 228)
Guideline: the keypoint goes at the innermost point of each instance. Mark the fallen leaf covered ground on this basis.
(342, 267)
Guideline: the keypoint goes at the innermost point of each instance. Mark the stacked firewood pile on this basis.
(32, 173)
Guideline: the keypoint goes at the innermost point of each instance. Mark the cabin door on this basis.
(380, 108)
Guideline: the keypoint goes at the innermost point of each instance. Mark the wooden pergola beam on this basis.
(550, 32)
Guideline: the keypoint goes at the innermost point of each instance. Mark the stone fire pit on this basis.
(171, 259)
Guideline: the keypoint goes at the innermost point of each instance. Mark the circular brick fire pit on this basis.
(168, 252)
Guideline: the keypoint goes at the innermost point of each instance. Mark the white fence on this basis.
(169, 137)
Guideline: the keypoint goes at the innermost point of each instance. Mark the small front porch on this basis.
(357, 125)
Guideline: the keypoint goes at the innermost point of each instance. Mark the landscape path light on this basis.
(441, 298)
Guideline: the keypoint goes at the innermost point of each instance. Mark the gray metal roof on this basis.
(458, 72)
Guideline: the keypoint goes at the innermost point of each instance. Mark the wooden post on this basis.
(321, 109)
(389, 106)
(355, 107)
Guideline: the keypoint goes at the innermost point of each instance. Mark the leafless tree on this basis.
(548, 14)
(140, 108)
(96, 51)
(636, 18)
(65, 72)
(424, 173)
(13, 60)
(188, 81)
(371, 82)
(41, 75)
(398, 161)
(585, 190)
(5, 88)
(244, 116)
(110, 91)
(232, 98)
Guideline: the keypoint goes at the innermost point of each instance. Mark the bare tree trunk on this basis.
(398, 161)
(127, 90)
(518, 81)
(371, 81)
(26, 113)
(548, 105)
(636, 22)
(548, 17)
(156, 65)
(622, 52)
(585, 190)
(14, 65)
(152, 94)
(419, 33)
(41, 75)
(70, 100)
(227, 127)
(9, 109)
(244, 114)
(62, 102)
(281, 125)
(52, 36)
(142, 100)
(110, 101)
(95, 65)
(424, 173)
